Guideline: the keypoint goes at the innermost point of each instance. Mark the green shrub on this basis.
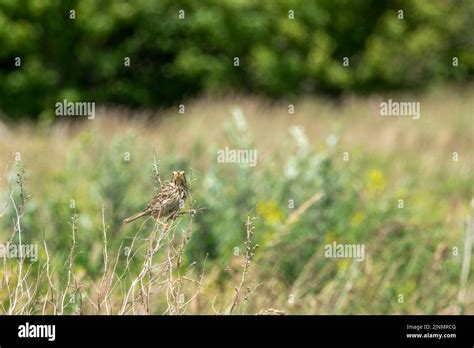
(171, 59)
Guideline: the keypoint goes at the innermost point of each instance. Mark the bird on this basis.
(168, 202)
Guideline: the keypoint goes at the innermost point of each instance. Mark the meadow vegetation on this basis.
(252, 238)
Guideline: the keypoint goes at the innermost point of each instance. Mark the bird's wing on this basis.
(162, 196)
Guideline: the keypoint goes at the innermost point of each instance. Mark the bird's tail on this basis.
(136, 216)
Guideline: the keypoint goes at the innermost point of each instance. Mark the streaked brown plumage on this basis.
(168, 202)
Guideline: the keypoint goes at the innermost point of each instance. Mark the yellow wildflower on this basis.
(357, 218)
(376, 180)
(270, 211)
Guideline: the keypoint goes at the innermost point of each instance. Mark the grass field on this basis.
(331, 172)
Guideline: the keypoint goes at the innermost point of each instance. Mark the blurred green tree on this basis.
(179, 48)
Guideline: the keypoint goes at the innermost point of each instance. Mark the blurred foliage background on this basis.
(300, 155)
(172, 58)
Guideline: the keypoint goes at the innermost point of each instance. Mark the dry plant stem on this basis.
(127, 292)
(155, 171)
(174, 287)
(21, 295)
(51, 287)
(130, 256)
(170, 293)
(294, 217)
(191, 212)
(175, 296)
(109, 287)
(30, 291)
(70, 264)
(179, 260)
(249, 253)
(146, 287)
(343, 297)
(106, 261)
(19, 211)
(157, 241)
(465, 266)
(106, 289)
(199, 283)
(7, 281)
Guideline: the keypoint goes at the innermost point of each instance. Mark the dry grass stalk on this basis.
(250, 249)
(465, 266)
